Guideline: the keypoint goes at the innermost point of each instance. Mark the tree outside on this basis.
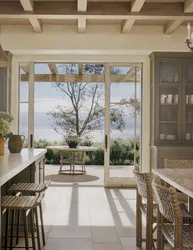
(86, 110)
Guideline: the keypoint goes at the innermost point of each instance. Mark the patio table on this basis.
(181, 179)
(72, 160)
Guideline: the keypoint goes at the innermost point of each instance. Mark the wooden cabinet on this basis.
(171, 101)
(40, 170)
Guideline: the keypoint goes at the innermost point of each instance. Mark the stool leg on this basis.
(25, 230)
(138, 220)
(42, 224)
(32, 230)
(37, 227)
(18, 221)
(6, 229)
(12, 222)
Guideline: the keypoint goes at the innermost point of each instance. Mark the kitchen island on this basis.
(28, 166)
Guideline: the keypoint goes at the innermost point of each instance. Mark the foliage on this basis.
(4, 127)
(5, 121)
(6, 116)
(134, 104)
(85, 112)
(121, 152)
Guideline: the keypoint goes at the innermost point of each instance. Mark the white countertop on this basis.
(12, 164)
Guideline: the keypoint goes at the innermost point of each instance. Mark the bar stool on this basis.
(31, 189)
(27, 205)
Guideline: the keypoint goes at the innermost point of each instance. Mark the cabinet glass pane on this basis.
(188, 101)
(169, 112)
(169, 72)
(188, 72)
(188, 118)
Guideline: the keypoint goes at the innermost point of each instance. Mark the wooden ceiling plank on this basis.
(136, 5)
(171, 26)
(81, 25)
(28, 5)
(188, 6)
(36, 24)
(127, 25)
(81, 5)
(53, 68)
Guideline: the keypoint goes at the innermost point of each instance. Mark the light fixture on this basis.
(4, 60)
(189, 40)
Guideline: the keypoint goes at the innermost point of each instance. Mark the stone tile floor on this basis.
(87, 216)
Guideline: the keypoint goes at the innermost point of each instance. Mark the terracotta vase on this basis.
(15, 143)
(1, 145)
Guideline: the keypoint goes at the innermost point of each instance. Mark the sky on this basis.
(47, 97)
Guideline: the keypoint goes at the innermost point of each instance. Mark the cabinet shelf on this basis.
(169, 122)
(191, 122)
(169, 84)
(169, 104)
(189, 104)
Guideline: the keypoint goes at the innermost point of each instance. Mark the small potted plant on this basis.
(72, 141)
(5, 121)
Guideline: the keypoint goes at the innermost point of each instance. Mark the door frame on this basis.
(116, 181)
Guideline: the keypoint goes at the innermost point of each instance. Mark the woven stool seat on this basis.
(168, 231)
(19, 202)
(29, 187)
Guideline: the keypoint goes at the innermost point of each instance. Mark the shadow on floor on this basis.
(71, 178)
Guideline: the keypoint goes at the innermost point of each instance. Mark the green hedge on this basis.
(121, 152)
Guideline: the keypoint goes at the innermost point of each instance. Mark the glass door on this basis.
(26, 102)
(122, 123)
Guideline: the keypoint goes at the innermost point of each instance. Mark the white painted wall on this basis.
(99, 44)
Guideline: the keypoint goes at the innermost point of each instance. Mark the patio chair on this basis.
(176, 231)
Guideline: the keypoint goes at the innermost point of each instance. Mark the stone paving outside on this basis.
(94, 174)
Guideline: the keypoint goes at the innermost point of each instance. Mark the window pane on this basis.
(23, 120)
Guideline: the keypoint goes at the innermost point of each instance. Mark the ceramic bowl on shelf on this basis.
(170, 137)
(73, 141)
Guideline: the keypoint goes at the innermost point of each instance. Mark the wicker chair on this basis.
(175, 230)
(145, 205)
(179, 164)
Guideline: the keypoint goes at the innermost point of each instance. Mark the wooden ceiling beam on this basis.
(53, 68)
(28, 5)
(127, 25)
(188, 6)
(81, 25)
(36, 24)
(136, 5)
(81, 5)
(171, 26)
